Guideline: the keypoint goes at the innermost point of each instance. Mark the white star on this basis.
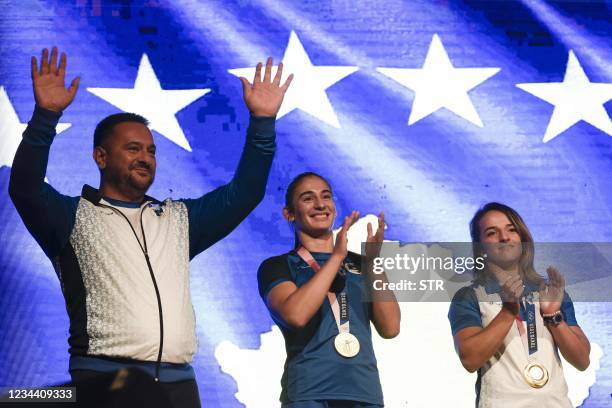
(148, 99)
(11, 129)
(575, 99)
(440, 85)
(307, 91)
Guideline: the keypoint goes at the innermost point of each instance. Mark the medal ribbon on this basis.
(534, 373)
(530, 336)
(339, 306)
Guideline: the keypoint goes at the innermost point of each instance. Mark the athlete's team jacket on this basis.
(123, 267)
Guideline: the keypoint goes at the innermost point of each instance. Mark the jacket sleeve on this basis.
(464, 310)
(48, 215)
(217, 213)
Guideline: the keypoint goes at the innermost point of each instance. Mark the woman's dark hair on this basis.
(295, 183)
(527, 253)
(291, 191)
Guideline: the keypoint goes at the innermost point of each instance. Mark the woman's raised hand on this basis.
(341, 245)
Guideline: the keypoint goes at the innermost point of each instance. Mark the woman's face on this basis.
(314, 209)
(500, 238)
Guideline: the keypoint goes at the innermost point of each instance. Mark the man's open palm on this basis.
(50, 91)
(264, 97)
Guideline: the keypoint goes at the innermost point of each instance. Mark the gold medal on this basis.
(346, 345)
(535, 374)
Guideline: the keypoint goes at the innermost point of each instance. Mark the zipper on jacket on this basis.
(143, 247)
(159, 305)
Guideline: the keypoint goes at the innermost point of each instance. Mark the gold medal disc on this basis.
(535, 374)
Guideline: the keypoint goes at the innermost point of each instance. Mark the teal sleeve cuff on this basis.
(261, 133)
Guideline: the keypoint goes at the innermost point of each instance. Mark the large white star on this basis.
(11, 129)
(440, 85)
(575, 99)
(148, 99)
(307, 91)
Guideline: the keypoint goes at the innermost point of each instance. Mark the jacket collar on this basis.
(93, 195)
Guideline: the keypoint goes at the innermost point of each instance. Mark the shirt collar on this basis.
(121, 203)
(93, 195)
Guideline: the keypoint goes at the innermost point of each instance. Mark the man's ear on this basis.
(100, 156)
(288, 215)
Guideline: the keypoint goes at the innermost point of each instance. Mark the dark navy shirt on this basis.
(314, 370)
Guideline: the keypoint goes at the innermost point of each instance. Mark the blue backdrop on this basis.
(427, 125)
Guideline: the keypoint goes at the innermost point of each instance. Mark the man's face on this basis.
(130, 156)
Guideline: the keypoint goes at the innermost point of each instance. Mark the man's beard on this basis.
(139, 183)
(130, 181)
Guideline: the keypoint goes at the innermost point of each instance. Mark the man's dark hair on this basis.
(106, 125)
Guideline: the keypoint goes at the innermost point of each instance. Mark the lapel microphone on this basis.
(159, 210)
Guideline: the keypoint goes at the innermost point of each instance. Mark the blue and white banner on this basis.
(422, 109)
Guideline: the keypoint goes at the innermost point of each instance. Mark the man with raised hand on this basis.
(122, 257)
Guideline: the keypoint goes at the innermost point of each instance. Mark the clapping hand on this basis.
(341, 245)
(374, 241)
(552, 291)
(512, 287)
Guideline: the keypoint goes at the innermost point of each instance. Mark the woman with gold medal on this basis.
(315, 293)
(510, 323)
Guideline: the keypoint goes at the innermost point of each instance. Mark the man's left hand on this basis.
(264, 97)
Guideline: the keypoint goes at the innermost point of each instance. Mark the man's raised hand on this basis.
(50, 91)
(264, 97)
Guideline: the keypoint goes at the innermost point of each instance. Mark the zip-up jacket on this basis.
(124, 267)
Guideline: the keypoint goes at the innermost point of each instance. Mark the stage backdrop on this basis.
(423, 109)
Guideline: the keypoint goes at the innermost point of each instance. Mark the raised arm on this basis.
(296, 306)
(48, 215)
(216, 214)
